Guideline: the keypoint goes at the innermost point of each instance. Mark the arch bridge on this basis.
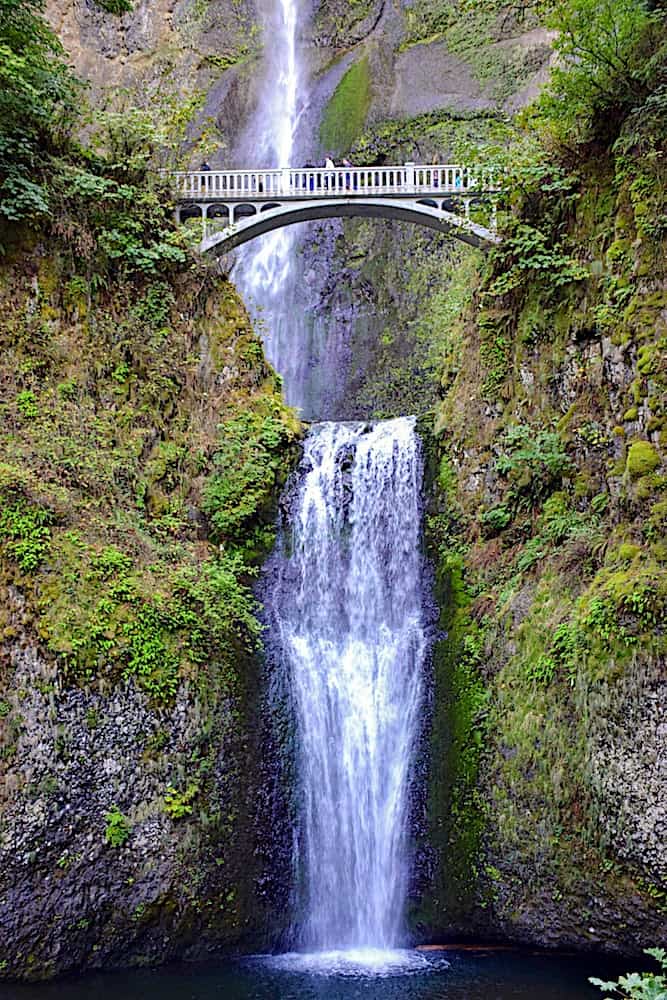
(235, 206)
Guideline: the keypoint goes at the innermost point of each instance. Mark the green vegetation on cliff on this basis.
(143, 446)
(345, 114)
(548, 529)
(130, 548)
(640, 985)
(133, 387)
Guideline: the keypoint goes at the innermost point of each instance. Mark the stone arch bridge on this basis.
(235, 206)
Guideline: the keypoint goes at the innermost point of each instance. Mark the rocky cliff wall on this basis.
(143, 448)
(547, 527)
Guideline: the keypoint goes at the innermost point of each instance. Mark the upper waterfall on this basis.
(265, 271)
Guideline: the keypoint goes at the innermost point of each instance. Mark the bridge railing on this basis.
(304, 182)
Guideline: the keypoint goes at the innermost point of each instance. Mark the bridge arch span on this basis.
(419, 213)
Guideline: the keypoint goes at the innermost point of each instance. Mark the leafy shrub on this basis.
(602, 64)
(37, 95)
(534, 552)
(213, 606)
(118, 827)
(566, 647)
(542, 669)
(27, 529)
(527, 254)
(179, 804)
(151, 658)
(559, 522)
(111, 562)
(250, 456)
(601, 620)
(495, 520)
(639, 985)
(533, 462)
(26, 405)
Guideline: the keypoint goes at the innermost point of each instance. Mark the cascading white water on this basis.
(265, 271)
(348, 610)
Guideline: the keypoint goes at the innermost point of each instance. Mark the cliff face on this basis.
(145, 444)
(164, 54)
(547, 527)
(143, 447)
(414, 60)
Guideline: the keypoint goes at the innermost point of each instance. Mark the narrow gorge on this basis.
(332, 568)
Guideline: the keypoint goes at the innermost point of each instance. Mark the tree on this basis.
(37, 103)
(602, 62)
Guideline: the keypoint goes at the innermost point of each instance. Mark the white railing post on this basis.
(410, 176)
(285, 175)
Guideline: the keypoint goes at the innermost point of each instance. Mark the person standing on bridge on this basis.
(329, 165)
(205, 181)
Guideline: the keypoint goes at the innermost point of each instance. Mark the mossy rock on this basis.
(642, 459)
(345, 114)
(627, 552)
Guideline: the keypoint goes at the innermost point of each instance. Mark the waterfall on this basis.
(342, 593)
(265, 269)
(347, 612)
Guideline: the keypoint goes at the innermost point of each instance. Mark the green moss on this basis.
(627, 552)
(647, 361)
(457, 816)
(642, 459)
(103, 507)
(620, 612)
(251, 463)
(345, 114)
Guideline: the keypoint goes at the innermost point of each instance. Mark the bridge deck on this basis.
(406, 181)
(238, 205)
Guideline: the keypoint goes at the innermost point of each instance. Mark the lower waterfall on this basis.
(347, 614)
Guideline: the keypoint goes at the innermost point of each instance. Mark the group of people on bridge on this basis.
(329, 165)
(343, 176)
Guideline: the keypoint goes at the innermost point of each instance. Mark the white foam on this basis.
(356, 963)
